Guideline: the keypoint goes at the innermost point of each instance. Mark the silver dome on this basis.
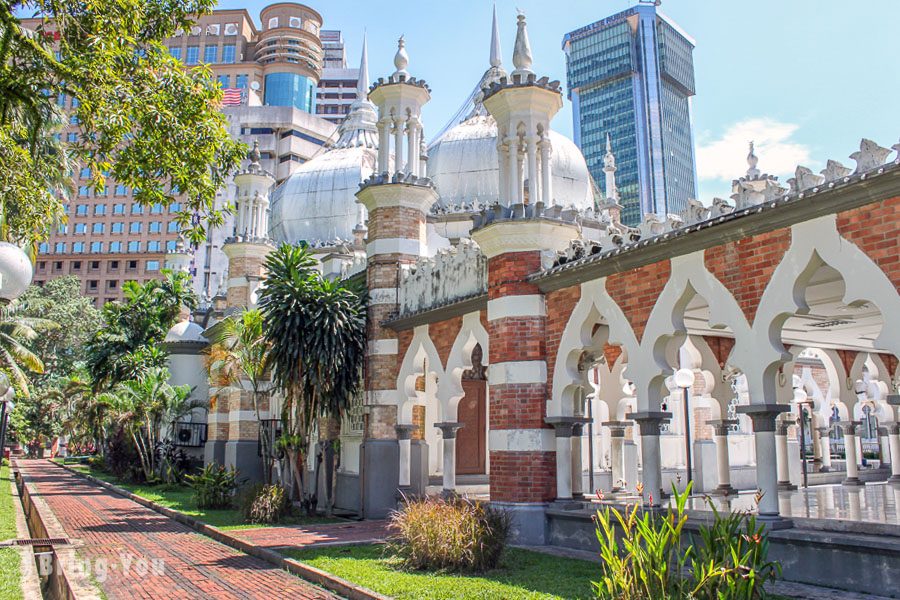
(464, 166)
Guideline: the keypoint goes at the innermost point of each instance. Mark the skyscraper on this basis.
(631, 76)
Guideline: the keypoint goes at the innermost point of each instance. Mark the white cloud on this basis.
(725, 158)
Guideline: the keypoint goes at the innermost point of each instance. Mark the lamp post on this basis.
(801, 399)
(684, 378)
(6, 395)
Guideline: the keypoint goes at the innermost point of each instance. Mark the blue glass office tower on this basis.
(631, 75)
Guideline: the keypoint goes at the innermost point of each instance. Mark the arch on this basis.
(450, 390)
(421, 350)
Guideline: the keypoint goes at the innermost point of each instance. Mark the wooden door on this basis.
(470, 440)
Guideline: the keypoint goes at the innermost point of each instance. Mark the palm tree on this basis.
(240, 354)
(317, 333)
(16, 331)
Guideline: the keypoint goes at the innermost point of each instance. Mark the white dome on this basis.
(15, 271)
(464, 166)
(185, 331)
(317, 202)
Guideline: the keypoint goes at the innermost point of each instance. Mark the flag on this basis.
(232, 97)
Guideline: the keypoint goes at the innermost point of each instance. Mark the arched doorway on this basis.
(471, 439)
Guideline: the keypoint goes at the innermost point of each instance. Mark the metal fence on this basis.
(190, 435)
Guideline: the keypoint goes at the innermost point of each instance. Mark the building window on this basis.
(98, 228)
(155, 227)
(153, 246)
(156, 209)
(93, 284)
(96, 247)
(72, 137)
(62, 228)
(60, 248)
(118, 227)
(80, 228)
(115, 247)
(43, 248)
(211, 55)
(273, 22)
(131, 266)
(134, 246)
(94, 265)
(193, 55)
(174, 207)
(78, 248)
(137, 209)
(134, 227)
(121, 190)
(224, 81)
(81, 210)
(73, 120)
(172, 227)
(152, 266)
(240, 81)
(112, 284)
(175, 51)
(170, 246)
(99, 209)
(84, 190)
(229, 53)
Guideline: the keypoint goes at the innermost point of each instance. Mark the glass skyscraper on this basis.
(631, 76)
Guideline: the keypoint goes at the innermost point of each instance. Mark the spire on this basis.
(496, 57)
(401, 59)
(608, 144)
(522, 51)
(609, 167)
(752, 161)
(362, 84)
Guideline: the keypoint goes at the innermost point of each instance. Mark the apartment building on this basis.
(337, 88)
(270, 73)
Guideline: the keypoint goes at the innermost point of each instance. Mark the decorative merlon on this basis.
(451, 275)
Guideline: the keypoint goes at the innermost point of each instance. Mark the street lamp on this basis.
(801, 399)
(684, 378)
(15, 272)
(6, 396)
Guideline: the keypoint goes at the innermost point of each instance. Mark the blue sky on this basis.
(805, 79)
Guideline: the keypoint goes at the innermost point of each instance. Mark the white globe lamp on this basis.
(15, 272)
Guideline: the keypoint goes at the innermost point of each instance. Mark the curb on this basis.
(317, 576)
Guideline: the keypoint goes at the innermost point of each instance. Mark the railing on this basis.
(190, 435)
(271, 428)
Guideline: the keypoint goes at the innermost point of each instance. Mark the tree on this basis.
(240, 354)
(147, 408)
(62, 348)
(144, 119)
(17, 333)
(128, 342)
(317, 332)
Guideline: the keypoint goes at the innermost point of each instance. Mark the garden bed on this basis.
(523, 574)
(10, 584)
(181, 498)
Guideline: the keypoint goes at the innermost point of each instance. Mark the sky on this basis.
(804, 79)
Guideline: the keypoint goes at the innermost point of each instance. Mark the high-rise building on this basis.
(631, 77)
(270, 74)
(337, 87)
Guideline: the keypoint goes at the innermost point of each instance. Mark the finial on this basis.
(401, 59)
(522, 51)
(362, 84)
(752, 161)
(254, 155)
(496, 57)
(608, 144)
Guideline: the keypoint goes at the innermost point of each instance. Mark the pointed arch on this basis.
(450, 390)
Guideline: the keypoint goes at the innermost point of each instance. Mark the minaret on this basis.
(521, 446)
(609, 168)
(496, 56)
(397, 201)
(233, 426)
(523, 109)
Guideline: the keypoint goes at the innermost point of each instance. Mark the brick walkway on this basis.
(147, 555)
(301, 536)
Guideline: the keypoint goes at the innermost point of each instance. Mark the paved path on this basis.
(304, 536)
(135, 552)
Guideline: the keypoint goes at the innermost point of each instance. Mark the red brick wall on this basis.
(745, 267)
(507, 273)
(517, 406)
(523, 476)
(873, 228)
(636, 291)
(721, 347)
(443, 334)
(560, 304)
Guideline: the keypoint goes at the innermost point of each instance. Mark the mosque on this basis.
(527, 347)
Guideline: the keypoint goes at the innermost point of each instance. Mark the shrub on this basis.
(454, 534)
(213, 486)
(121, 458)
(264, 504)
(644, 557)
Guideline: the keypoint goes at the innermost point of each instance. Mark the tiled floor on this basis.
(304, 536)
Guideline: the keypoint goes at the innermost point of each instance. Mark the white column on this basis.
(763, 417)
(384, 144)
(513, 148)
(412, 161)
(503, 163)
(405, 453)
(398, 144)
(448, 431)
(723, 463)
(782, 458)
(849, 428)
(577, 457)
(650, 455)
(533, 175)
(520, 176)
(894, 445)
(546, 172)
(825, 445)
(616, 455)
(563, 427)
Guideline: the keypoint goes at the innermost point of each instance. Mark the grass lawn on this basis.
(180, 498)
(10, 586)
(522, 575)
